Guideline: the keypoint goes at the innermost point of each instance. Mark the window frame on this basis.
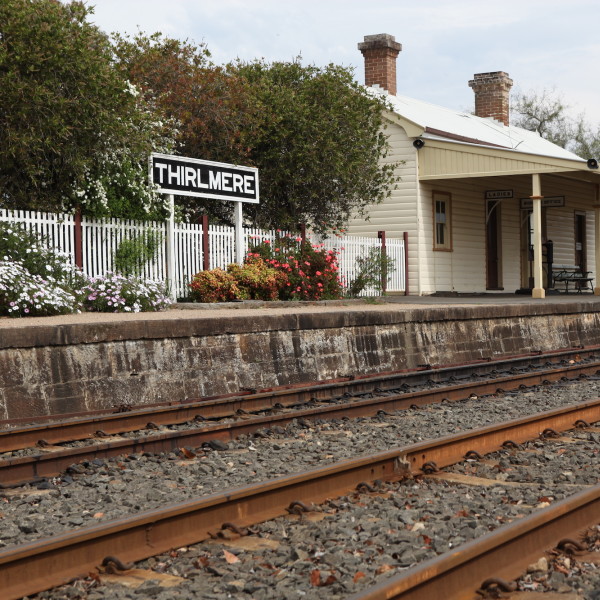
(446, 198)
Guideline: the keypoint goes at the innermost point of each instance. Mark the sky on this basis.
(541, 44)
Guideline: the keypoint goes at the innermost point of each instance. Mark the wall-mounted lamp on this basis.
(418, 143)
(592, 163)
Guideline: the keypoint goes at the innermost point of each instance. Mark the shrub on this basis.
(373, 269)
(116, 293)
(24, 294)
(312, 271)
(132, 254)
(35, 281)
(215, 285)
(32, 252)
(257, 280)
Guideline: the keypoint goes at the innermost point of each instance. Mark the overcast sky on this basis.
(540, 43)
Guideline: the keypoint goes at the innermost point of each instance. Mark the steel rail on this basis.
(502, 554)
(15, 471)
(39, 565)
(85, 427)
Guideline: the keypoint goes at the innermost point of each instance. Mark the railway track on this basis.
(329, 400)
(42, 564)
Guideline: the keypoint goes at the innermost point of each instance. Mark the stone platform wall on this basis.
(77, 367)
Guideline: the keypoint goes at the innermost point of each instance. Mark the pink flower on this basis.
(319, 273)
(307, 263)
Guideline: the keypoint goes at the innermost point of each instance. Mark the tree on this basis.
(318, 144)
(547, 113)
(206, 104)
(314, 134)
(72, 130)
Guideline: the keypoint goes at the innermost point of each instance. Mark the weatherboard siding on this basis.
(397, 214)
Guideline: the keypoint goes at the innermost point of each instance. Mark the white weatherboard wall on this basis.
(397, 213)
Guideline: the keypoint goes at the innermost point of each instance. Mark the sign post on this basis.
(181, 176)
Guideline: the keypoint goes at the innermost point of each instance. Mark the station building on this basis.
(480, 199)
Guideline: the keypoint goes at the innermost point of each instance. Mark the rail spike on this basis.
(113, 565)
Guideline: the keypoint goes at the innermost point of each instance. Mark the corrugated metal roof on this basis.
(446, 124)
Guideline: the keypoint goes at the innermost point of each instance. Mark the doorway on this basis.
(527, 248)
(580, 242)
(492, 246)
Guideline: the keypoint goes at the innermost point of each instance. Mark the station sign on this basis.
(498, 194)
(183, 176)
(547, 202)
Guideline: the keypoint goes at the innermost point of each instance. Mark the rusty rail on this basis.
(36, 566)
(14, 471)
(503, 554)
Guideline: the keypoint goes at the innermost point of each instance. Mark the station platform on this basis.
(90, 361)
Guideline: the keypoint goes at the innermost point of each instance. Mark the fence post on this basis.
(171, 275)
(239, 233)
(303, 233)
(77, 239)
(205, 244)
(405, 237)
(384, 275)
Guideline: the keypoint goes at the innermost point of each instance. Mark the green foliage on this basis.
(548, 114)
(215, 285)
(373, 269)
(134, 253)
(318, 143)
(73, 131)
(257, 280)
(312, 271)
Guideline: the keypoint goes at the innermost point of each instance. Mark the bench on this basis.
(567, 274)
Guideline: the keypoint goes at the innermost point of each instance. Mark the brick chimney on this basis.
(380, 52)
(491, 95)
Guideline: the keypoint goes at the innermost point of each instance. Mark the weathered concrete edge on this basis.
(203, 324)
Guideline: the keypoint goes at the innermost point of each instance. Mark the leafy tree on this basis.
(314, 134)
(207, 105)
(318, 145)
(70, 125)
(547, 113)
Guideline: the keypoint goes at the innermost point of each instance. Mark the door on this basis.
(492, 245)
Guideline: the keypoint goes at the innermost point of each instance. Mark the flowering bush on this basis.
(215, 285)
(33, 254)
(24, 294)
(115, 293)
(257, 280)
(36, 281)
(312, 271)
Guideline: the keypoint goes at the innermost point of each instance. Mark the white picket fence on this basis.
(102, 237)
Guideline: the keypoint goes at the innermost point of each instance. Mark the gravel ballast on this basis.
(356, 540)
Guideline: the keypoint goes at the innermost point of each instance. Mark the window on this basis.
(442, 221)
